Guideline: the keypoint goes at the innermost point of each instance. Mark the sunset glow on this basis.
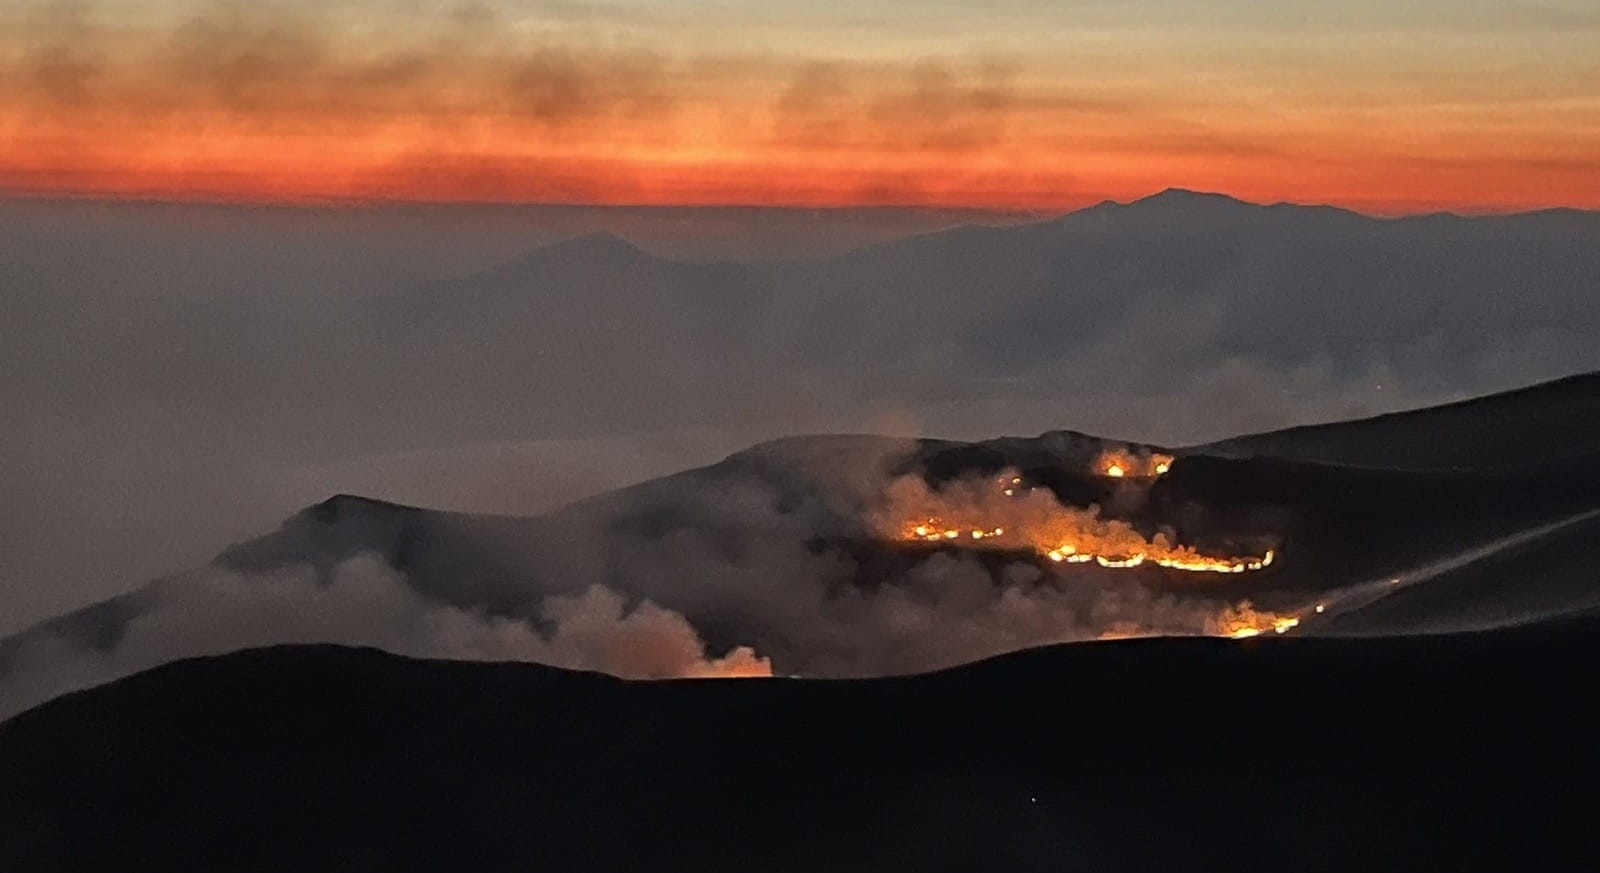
(1042, 106)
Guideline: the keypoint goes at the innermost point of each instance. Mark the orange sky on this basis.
(1464, 105)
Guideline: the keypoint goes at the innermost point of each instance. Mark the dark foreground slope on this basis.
(1546, 422)
(1536, 576)
(1408, 753)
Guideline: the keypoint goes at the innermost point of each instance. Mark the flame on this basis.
(1243, 621)
(1120, 463)
(1017, 517)
(741, 663)
(934, 532)
(1033, 519)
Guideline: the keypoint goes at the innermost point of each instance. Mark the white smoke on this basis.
(365, 603)
(747, 571)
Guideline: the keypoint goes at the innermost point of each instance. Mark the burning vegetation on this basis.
(1126, 463)
(1244, 620)
(1014, 515)
(1009, 514)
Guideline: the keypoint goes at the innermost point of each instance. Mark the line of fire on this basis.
(1012, 514)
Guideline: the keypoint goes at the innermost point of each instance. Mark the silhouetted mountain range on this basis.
(1136, 299)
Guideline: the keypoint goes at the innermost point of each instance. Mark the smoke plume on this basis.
(366, 603)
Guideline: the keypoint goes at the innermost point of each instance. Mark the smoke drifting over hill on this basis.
(946, 610)
(867, 556)
(770, 563)
(365, 603)
(151, 421)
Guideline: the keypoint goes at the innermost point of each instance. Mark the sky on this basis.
(1387, 107)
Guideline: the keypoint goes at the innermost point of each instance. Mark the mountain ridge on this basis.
(1346, 754)
(806, 517)
(1532, 424)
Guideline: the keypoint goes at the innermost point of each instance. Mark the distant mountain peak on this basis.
(600, 243)
(1185, 197)
(1172, 202)
(344, 506)
(1187, 205)
(600, 252)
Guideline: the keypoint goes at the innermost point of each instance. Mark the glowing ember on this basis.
(1119, 463)
(1244, 621)
(934, 532)
(1181, 558)
(1034, 520)
(1007, 515)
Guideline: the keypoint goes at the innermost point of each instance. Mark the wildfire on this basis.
(934, 532)
(1158, 550)
(1016, 517)
(1196, 563)
(1122, 463)
(1238, 622)
(1069, 554)
(1024, 517)
(1244, 621)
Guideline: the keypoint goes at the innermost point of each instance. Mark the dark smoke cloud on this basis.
(286, 67)
(931, 106)
(563, 86)
(276, 66)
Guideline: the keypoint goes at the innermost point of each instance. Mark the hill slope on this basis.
(788, 549)
(1396, 754)
(1545, 422)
